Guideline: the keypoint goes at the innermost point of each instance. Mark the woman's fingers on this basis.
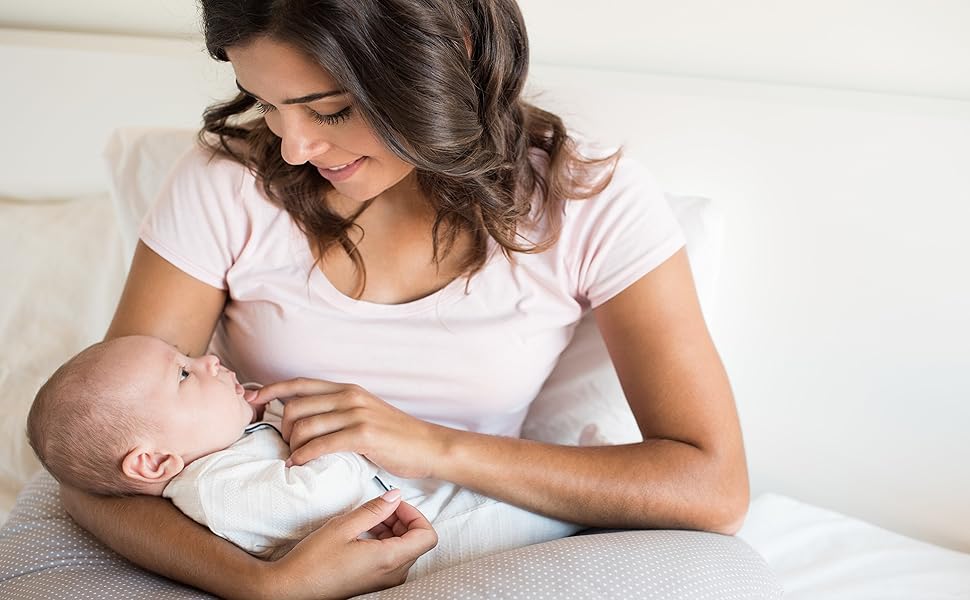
(339, 441)
(368, 515)
(301, 386)
(301, 423)
(334, 562)
(299, 409)
(408, 531)
(412, 518)
(400, 522)
(387, 514)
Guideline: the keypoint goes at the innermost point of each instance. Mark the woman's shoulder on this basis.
(203, 163)
(222, 182)
(603, 179)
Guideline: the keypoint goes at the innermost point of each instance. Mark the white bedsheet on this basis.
(823, 555)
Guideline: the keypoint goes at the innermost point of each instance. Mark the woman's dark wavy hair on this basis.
(460, 121)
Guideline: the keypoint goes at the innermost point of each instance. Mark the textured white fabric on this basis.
(246, 495)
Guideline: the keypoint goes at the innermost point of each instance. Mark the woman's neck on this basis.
(401, 203)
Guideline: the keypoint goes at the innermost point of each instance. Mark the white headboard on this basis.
(844, 288)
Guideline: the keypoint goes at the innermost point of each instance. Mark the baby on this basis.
(134, 415)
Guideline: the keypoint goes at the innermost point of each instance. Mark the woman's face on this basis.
(316, 122)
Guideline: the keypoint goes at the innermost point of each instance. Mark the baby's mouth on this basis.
(235, 381)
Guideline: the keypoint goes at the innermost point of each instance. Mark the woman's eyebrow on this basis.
(300, 100)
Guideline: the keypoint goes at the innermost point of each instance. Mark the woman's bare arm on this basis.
(690, 471)
(162, 301)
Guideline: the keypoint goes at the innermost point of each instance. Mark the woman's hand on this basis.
(322, 417)
(333, 558)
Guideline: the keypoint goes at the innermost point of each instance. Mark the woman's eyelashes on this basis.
(334, 119)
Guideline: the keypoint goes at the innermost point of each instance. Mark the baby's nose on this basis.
(212, 362)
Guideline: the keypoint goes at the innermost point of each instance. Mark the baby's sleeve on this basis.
(620, 235)
(199, 221)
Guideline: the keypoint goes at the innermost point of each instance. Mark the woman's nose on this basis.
(299, 143)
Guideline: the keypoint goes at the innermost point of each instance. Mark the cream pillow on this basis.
(62, 280)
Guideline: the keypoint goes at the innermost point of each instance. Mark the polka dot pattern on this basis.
(44, 555)
(682, 565)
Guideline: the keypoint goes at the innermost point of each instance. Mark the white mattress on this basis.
(823, 555)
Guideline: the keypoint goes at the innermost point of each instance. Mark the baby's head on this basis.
(126, 415)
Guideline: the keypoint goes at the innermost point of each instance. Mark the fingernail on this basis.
(288, 463)
(391, 496)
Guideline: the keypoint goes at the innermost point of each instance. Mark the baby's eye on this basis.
(183, 374)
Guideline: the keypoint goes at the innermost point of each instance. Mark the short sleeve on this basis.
(199, 222)
(621, 234)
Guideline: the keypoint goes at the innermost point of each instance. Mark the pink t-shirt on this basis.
(470, 361)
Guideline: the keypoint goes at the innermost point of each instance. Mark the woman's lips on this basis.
(343, 174)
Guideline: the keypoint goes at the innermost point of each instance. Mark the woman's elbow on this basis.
(731, 521)
(731, 503)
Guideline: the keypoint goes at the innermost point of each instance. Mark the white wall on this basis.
(919, 47)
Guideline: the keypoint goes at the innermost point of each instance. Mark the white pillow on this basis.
(61, 283)
(582, 390)
(138, 160)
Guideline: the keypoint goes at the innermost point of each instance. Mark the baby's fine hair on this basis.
(80, 429)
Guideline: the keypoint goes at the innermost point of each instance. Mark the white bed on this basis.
(775, 160)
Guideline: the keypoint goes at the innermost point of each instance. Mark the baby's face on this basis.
(196, 402)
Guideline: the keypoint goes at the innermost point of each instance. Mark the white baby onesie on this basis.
(246, 495)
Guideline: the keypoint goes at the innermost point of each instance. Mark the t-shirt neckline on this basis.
(321, 285)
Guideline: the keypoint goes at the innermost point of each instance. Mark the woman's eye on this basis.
(183, 374)
(263, 108)
(333, 119)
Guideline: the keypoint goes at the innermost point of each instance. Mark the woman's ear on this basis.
(151, 466)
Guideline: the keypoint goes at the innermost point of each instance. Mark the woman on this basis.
(397, 217)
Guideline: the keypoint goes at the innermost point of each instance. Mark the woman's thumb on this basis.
(370, 514)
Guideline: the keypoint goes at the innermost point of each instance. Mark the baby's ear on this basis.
(148, 465)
